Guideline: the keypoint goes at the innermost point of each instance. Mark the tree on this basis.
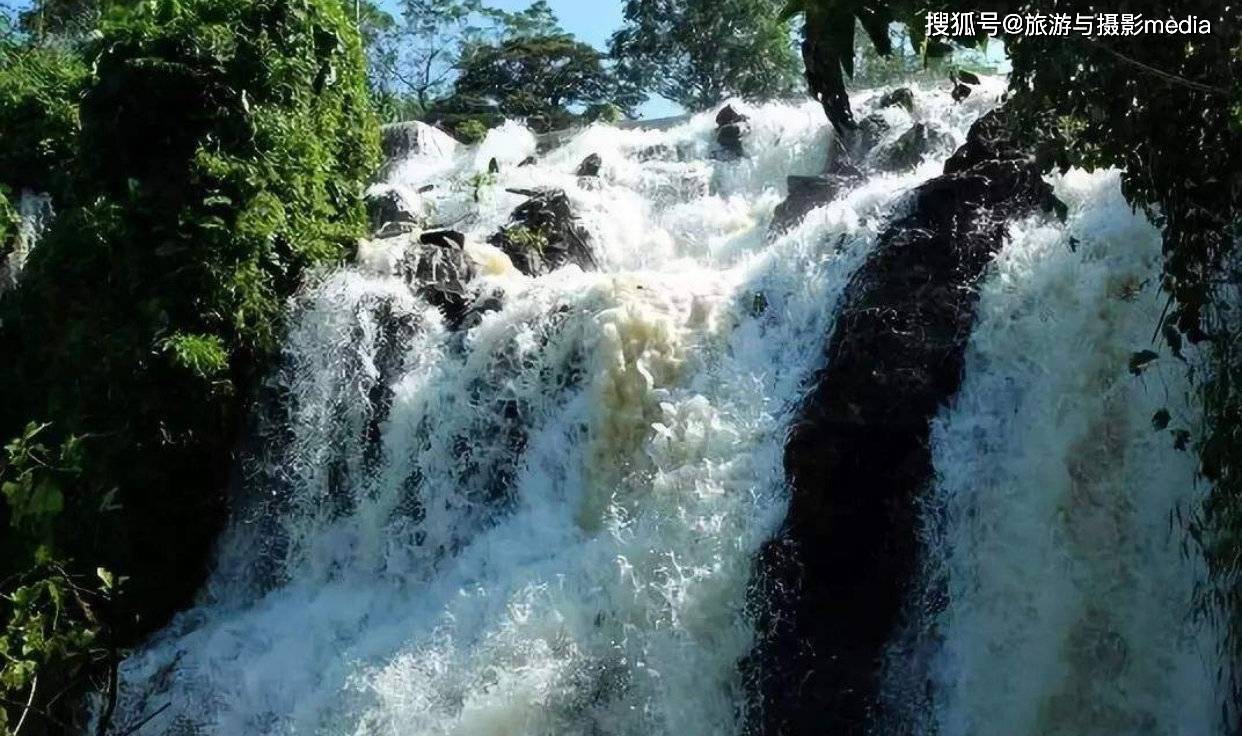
(217, 149)
(420, 56)
(541, 77)
(60, 17)
(700, 52)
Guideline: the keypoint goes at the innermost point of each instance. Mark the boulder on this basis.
(808, 192)
(414, 138)
(910, 147)
(831, 588)
(543, 235)
(590, 165)
(388, 204)
(731, 127)
(729, 116)
(443, 238)
(729, 137)
(870, 131)
(900, 97)
(439, 273)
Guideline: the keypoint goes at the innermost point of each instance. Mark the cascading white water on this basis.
(34, 211)
(1068, 594)
(551, 528)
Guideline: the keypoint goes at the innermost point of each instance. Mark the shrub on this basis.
(39, 91)
(223, 149)
(470, 131)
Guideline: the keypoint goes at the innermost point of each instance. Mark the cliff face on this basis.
(835, 581)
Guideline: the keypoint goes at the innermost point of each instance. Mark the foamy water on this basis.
(547, 525)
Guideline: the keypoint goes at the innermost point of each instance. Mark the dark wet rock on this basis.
(729, 138)
(911, 147)
(832, 587)
(493, 166)
(729, 116)
(658, 152)
(443, 238)
(731, 127)
(399, 140)
(960, 92)
(387, 205)
(543, 235)
(440, 273)
(590, 165)
(528, 161)
(900, 97)
(870, 131)
(395, 229)
(808, 192)
(484, 305)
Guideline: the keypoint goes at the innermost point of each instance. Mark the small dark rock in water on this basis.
(388, 205)
(481, 307)
(548, 218)
(426, 188)
(910, 147)
(808, 192)
(900, 97)
(395, 229)
(493, 166)
(440, 273)
(729, 116)
(443, 238)
(730, 139)
(867, 135)
(528, 161)
(590, 165)
(960, 92)
(837, 579)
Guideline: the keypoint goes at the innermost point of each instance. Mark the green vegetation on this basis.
(214, 152)
(700, 52)
(540, 78)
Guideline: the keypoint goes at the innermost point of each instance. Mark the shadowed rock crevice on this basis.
(830, 589)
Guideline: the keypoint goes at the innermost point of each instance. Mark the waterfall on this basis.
(546, 522)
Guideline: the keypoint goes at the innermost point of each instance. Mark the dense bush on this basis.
(39, 92)
(222, 152)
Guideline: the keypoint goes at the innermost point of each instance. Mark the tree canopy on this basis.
(540, 77)
(700, 52)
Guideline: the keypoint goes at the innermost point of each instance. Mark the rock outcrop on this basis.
(900, 97)
(910, 148)
(399, 140)
(832, 586)
(387, 204)
(543, 235)
(808, 192)
(590, 165)
(731, 127)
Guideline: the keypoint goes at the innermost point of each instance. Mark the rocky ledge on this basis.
(831, 588)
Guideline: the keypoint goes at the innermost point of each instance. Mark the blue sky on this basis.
(593, 21)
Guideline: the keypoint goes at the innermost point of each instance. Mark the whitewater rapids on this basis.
(550, 526)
